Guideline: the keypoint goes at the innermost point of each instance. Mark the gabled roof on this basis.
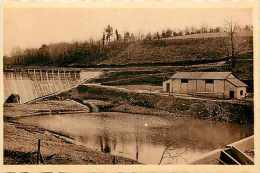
(237, 82)
(201, 75)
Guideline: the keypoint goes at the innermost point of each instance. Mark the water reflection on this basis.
(143, 138)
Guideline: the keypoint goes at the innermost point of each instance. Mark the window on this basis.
(184, 80)
(241, 92)
(210, 81)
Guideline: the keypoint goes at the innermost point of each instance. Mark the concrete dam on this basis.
(29, 84)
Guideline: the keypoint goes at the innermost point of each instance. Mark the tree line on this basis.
(112, 41)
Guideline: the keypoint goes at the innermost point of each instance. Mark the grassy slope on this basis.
(170, 51)
(186, 51)
(146, 103)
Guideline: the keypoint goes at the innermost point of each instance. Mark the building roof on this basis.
(201, 75)
(237, 82)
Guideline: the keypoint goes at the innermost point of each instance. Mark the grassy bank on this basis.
(125, 100)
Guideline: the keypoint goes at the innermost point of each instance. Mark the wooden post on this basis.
(34, 75)
(101, 144)
(38, 151)
(137, 147)
(41, 75)
(75, 75)
(114, 160)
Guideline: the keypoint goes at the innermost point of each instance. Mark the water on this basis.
(41, 83)
(141, 137)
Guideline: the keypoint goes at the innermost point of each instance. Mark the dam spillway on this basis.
(30, 84)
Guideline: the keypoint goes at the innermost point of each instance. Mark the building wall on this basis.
(165, 85)
(192, 85)
(184, 87)
(239, 89)
(176, 84)
(230, 87)
(200, 85)
(209, 87)
(219, 88)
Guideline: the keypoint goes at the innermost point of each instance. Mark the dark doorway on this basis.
(231, 94)
(13, 98)
(167, 87)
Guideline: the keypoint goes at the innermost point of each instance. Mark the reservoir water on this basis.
(142, 137)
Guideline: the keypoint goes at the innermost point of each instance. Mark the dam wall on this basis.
(29, 84)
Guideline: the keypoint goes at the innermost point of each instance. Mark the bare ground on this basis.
(42, 108)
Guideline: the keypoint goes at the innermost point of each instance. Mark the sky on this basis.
(32, 27)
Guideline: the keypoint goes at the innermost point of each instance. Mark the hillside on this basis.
(178, 51)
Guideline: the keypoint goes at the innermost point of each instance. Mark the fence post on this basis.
(114, 160)
(38, 151)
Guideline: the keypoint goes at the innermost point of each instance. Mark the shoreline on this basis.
(20, 138)
(56, 148)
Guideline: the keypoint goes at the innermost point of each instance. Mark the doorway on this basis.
(231, 94)
(167, 87)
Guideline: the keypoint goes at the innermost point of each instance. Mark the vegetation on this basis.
(115, 48)
(222, 110)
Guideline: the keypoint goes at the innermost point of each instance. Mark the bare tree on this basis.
(148, 36)
(157, 36)
(103, 39)
(204, 28)
(187, 31)
(109, 32)
(126, 36)
(132, 37)
(230, 29)
(193, 30)
(163, 34)
(16, 51)
(171, 152)
(168, 32)
(118, 36)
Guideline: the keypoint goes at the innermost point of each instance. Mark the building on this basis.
(210, 84)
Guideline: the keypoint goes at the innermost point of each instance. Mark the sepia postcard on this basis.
(130, 86)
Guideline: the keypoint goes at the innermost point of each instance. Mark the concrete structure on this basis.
(241, 152)
(32, 83)
(210, 84)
